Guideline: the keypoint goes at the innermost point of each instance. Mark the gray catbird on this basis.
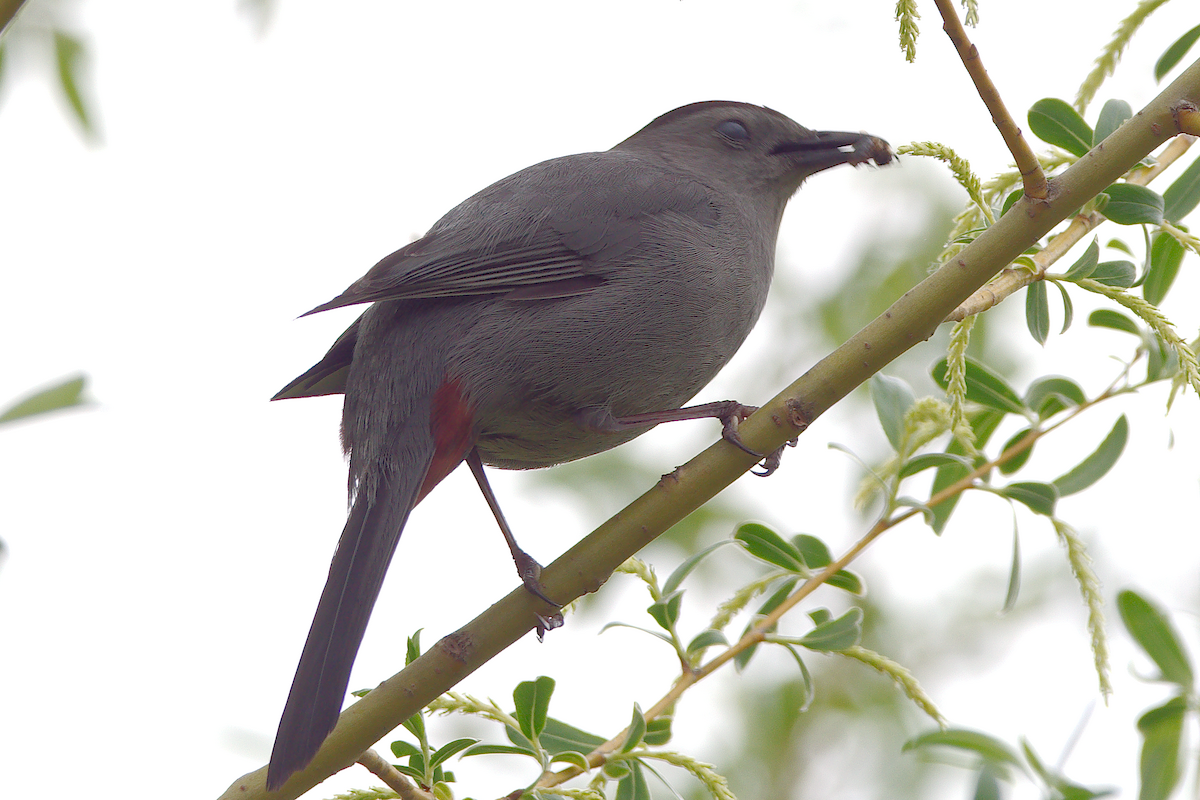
(557, 313)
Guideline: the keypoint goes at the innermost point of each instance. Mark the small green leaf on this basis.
(68, 52)
(61, 395)
(1011, 200)
(892, 397)
(989, 748)
(498, 749)
(1039, 497)
(705, 639)
(1056, 122)
(1068, 307)
(403, 749)
(666, 611)
(1166, 254)
(1162, 736)
(1086, 263)
(1017, 461)
(1053, 393)
(658, 732)
(1107, 318)
(778, 596)
(1037, 311)
(1120, 274)
(1096, 465)
(413, 647)
(637, 729)
(416, 726)
(1130, 204)
(813, 552)
(1182, 196)
(983, 387)
(683, 570)
(835, 634)
(633, 786)
(1014, 572)
(444, 752)
(559, 737)
(1173, 54)
(767, 545)
(1152, 630)
(927, 460)
(415, 771)
(1112, 116)
(532, 700)
(847, 581)
(987, 787)
(572, 757)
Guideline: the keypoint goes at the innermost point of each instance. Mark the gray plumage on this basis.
(591, 287)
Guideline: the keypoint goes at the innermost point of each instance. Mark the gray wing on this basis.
(552, 230)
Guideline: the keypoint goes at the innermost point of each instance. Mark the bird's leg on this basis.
(729, 412)
(527, 568)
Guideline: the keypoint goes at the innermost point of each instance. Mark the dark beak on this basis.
(825, 149)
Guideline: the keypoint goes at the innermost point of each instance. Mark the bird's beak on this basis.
(824, 149)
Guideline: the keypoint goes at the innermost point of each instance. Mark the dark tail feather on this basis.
(355, 576)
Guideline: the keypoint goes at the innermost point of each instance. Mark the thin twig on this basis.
(391, 776)
(1032, 176)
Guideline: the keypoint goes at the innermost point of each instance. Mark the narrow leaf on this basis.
(1039, 497)
(658, 731)
(1053, 393)
(1166, 255)
(1162, 735)
(1121, 274)
(1096, 465)
(1086, 263)
(927, 460)
(987, 747)
(813, 551)
(1057, 123)
(1130, 204)
(1014, 572)
(835, 634)
(446, 751)
(1182, 196)
(1107, 318)
(1112, 116)
(847, 581)
(532, 700)
(62, 395)
(767, 545)
(683, 570)
(892, 397)
(1154, 633)
(705, 639)
(637, 729)
(1037, 311)
(984, 387)
(67, 53)
(1068, 308)
(666, 611)
(1017, 461)
(559, 737)
(1173, 54)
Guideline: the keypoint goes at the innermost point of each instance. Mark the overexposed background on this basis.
(166, 545)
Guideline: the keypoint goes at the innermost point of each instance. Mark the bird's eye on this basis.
(733, 130)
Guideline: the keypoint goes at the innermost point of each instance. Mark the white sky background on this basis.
(166, 546)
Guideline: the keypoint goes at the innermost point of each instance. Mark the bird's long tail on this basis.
(429, 444)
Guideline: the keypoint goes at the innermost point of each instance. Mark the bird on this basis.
(557, 313)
